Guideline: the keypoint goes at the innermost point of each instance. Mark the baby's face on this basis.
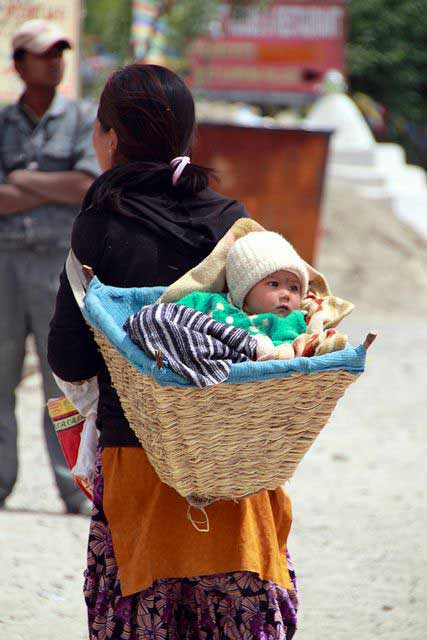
(279, 293)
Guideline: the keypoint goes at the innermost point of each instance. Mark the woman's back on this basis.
(149, 240)
(153, 239)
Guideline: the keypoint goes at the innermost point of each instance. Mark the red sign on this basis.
(285, 49)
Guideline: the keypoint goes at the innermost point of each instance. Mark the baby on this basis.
(266, 280)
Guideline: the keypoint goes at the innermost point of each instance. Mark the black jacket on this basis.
(153, 240)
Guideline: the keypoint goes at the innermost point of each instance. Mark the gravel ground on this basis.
(370, 256)
(359, 497)
(360, 501)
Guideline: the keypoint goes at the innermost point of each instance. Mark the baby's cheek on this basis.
(270, 300)
(297, 302)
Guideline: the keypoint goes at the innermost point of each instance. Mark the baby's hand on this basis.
(281, 352)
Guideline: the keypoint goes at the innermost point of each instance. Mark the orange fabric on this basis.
(153, 538)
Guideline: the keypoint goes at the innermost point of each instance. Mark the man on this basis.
(46, 166)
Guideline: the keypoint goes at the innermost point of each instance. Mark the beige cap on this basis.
(38, 36)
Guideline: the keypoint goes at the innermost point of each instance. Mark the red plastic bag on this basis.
(68, 423)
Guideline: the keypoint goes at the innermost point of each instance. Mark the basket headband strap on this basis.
(73, 269)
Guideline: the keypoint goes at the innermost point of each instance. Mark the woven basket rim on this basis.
(100, 303)
(188, 452)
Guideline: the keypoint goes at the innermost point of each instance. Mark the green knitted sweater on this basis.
(216, 305)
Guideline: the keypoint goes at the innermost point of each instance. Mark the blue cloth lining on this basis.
(107, 308)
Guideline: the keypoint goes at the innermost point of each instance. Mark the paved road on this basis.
(360, 514)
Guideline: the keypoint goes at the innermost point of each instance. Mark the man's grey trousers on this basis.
(29, 279)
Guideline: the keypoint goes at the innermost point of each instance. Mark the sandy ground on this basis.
(360, 507)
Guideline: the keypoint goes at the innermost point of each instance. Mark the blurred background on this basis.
(272, 56)
(315, 115)
(354, 68)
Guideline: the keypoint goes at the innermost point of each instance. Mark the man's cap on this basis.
(38, 36)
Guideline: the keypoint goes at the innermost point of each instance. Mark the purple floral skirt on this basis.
(235, 606)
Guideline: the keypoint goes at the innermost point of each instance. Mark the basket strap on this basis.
(73, 269)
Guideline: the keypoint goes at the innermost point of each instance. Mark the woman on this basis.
(146, 221)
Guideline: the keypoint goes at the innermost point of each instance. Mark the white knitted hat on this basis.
(254, 257)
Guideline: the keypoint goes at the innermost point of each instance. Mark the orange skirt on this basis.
(154, 539)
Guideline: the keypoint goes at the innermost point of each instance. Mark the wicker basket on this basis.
(226, 441)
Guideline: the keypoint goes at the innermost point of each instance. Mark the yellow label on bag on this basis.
(63, 413)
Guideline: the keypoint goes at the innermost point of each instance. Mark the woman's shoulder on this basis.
(223, 203)
(213, 214)
(88, 235)
(91, 225)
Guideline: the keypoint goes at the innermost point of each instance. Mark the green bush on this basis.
(387, 54)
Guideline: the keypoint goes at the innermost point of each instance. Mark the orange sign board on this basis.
(286, 48)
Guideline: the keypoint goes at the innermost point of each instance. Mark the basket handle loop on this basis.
(204, 524)
(369, 339)
(159, 358)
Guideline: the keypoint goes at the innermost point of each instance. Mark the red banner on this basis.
(286, 49)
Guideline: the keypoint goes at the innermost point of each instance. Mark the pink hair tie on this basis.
(179, 165)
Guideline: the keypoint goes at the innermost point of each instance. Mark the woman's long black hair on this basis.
(152, 112)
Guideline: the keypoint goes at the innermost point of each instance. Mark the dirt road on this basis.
(360, 514)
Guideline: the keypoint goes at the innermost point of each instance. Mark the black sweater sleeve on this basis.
(72, 351)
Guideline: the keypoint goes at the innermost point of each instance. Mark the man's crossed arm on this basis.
(26, 189)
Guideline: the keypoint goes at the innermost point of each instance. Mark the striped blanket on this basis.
(192, 344)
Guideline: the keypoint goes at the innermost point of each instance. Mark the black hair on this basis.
(152, 112)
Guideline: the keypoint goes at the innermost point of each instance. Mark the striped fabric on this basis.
(193, 345)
